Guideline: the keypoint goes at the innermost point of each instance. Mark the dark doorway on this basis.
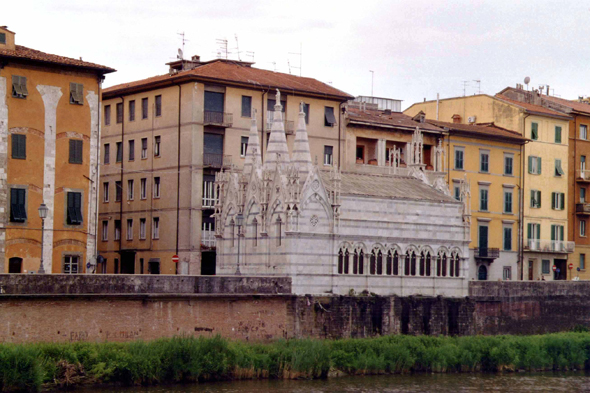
(154, 266)
(128, 262)
(15, 265)
(531, 264)
(561, 265)
(483, 240)
(482, 273)
(208, 265)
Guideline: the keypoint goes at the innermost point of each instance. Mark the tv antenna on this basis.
(250, 54)
(478, 81)
(300, 53)
(289, 65)
(237, 47)
(465, 84)
(222, 48)
(181, 51)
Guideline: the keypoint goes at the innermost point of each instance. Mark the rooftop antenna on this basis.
(300, 58)
(372, 75)
(250, 54)
(180, 53)
(465, 84)
(289, 65)
(527, 80)
(478, 81)
(237, 47)
(274, 66)
(222, 51)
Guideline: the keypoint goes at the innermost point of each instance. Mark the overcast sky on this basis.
(416, 48)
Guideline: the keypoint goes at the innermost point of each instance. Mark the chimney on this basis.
(547, 89)
(457, 119)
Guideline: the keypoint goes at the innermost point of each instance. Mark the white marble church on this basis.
(339, 232)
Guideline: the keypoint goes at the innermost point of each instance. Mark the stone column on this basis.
(3, 173)
(381, 152)
(94, 173)
(50, 96)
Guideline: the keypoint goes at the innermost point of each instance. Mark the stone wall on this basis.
(36, 284)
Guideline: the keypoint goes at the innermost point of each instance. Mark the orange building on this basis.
(49, 133)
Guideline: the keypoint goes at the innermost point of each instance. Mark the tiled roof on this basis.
(530, 107)
(377, 118)
(22, 52)
(582, 107)
(228, 71)
(485, 131)
(387, 186)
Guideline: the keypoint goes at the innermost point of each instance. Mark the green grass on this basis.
(185, 359)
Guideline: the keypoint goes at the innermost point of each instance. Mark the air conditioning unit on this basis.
(471, 119)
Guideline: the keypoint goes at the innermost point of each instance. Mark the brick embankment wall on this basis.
(529, 307)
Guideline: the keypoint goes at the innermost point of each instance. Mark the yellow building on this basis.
(164, 139)
(49, 133)
(542, 238)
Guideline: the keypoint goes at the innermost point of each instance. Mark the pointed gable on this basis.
(277, 154)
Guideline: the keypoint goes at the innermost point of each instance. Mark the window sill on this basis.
(459, 169)
(508, 175)
(20, 158)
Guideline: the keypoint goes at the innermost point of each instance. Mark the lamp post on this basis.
(42, 213)
(239, 223)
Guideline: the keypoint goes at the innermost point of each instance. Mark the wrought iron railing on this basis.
(216, 160)
(491, 253)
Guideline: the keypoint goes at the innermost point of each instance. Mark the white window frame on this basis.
(157, 185)
(129, 229)
(71, 260)
(328, 158)
(143, 188)
(105, 191)
(209, 194)
(462, 150)
(142, 226)
(487, 190)
(508, 191)
(105, 231)
(130, 189)
(156, 228)
(483, 153)
(244, 146)
(584, 133)
(582, 228)
(506, 156)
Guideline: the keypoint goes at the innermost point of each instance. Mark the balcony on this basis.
(583, 176)
(583, 208)
(486, 253)
(216, 160)
(219, 119)
(551, 246)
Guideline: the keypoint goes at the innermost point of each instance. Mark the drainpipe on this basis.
(178, 174)
(262, 141)
(122, 163)
(340, 117)
(98, 143)
(522, 196)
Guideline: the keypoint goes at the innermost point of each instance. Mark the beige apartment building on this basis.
(164, 139)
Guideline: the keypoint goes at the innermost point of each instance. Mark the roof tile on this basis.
(483, 130)
(378, 117)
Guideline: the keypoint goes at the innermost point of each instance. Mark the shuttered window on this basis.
(535, 198)
(558, 169)
(74, 208)
(507, 238)
(158, 105)
(534, 131)
(557, 134)
(19, 87)
(329, 119)
(535, 165)
(246, 106)
(18, 209)
(132, 110)
(119, 113)
(19, 146)
(107, 153)
(144, 108)
(558, 201)
(76, 93)
(107, 115)
(131, 150)
(119, 151)
(76, 148)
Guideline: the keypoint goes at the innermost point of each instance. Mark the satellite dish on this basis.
(527, 80)
(180, 54)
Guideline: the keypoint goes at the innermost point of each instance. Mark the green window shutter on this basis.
(72, 159)
(562, 205)
(552, 232)
(529, 230)
(561, 234)
(557, 134)
(532, 198)
(78, 206)
(538, 165)
(538, 198)
(19, 146)
(553, 200)
(530, 164)
(23, 86)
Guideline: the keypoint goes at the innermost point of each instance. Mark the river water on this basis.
(519, 382)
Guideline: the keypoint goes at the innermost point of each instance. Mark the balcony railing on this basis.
(487, 253)
(218, 119)
(550, 246)
(583, 175)
(289, 125)
(583, 208)
(216, 160)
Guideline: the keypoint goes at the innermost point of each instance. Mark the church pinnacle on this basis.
(277, 153)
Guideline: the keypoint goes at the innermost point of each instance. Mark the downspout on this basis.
(573, 226)
(178, 174)
(122, 164)
(98, 143)
(262, 142)
(522, 188)
(340, 117)
(449, 160)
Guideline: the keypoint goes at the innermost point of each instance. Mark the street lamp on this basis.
(239, 223)
(43, 214)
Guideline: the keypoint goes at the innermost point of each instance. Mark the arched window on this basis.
(15, 265)
(373, 263)
(482, 273)
(457, 263)
(340, 262)
(355, 262)
(444, 265)
(395, 263)
(428, 267)
(361, 262)
(346, 261)
(452, 267)
(439, 264)
(389, 264)
(379, 263)
(422, 263)
(412, 263)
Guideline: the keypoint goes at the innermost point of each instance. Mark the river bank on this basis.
(31, 367)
